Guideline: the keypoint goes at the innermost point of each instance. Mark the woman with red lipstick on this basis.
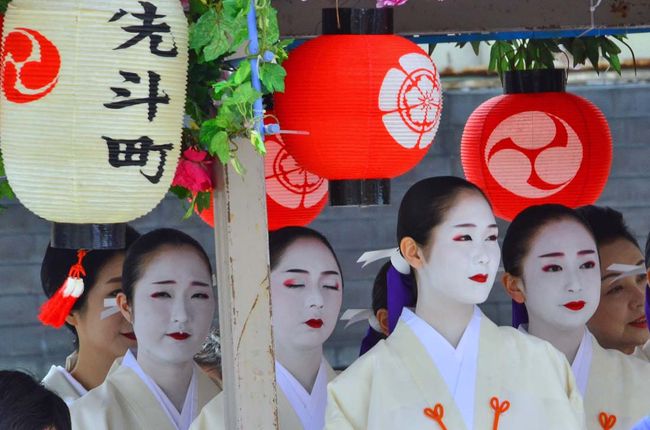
(98, 341)
(620, 320)
(552, 272)
(446, 365)
(168, 297)
(306, 295)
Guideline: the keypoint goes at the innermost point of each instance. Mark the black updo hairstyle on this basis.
(27, 405)
(145, 248)
(524, 228)
(281, 239)
(607, 224)
(426, 203)
(57, 263)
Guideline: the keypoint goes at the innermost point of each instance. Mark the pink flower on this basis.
(186, 5)
(194, 171)
(390, 3)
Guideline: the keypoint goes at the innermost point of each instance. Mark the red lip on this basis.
(479, 277)
(130, 335)
(575, 306)
(314, 323)
(179, 336)
(639, 323)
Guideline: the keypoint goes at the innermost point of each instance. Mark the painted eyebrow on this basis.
(296, 271)
(469, 224)
(200, 284)
(586, 252)
(172, 282)
(115, 280)
(561, 254)
(331, 272)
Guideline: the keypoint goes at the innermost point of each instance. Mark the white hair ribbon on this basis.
(353, 316)
(396, 259)
(110, 308)
(626, 270)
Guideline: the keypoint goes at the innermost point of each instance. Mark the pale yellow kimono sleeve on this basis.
(575, 399)
(348, 395)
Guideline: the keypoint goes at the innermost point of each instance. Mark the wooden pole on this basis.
(241, 240)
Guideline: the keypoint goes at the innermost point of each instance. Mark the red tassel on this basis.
(58, 307)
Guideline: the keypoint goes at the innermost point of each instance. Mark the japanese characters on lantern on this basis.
(92, 105)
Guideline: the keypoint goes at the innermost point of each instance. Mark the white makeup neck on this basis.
(173, 379)
(302, 364)
(567, 341)
(450, 318)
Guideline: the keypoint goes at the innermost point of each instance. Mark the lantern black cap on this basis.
(534, 81)
(360, 192)
(88, 236)
(357, 21)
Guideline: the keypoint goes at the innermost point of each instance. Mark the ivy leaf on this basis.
(257, 142)
(202, 32)
(245, 94)
(203, 200)
(236, 164)
(272, 76)
(6, 191)
(180, 192)
(220, 87)
(208, 129)
(220, 146)
(242, 74)
(476, 46)
(218, 47)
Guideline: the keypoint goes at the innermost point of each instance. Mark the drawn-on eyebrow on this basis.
(586, 252)
(167, 282)
(200, 284)
(552, 254)
(115, 280)
(296, 271)
(330, 272)
(469, 224)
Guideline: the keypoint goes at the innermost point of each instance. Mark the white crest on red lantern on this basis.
(411, 97)
(533, 154)
(287, 183)
(31, 65)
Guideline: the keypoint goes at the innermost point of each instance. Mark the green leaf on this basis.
(236, 164)
(242, 74)
(245, 94)
(6, 191)
(180, 192)
(220, 87)
(218, 47)
(476, 46)
(272, 76)
(220, 146)
(202, 32)
(257, 142)
(203, 200)
(208, 129)
(578, 50)
(592, 52)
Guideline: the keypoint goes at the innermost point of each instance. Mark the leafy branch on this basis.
(532, 54)
(3, 6)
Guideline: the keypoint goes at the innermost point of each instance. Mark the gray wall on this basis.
(23, 237)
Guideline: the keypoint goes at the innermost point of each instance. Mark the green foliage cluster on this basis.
(531, 54)
(3, 5)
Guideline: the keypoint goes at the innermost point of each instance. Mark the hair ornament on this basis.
(57, 308)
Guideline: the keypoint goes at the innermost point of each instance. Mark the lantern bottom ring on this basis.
(360, 192)
(88, 236)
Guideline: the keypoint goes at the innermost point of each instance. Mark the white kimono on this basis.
(617, 393)
(60, 381)
(642, 352)
(297, 409)
(127, 401)
(518, 382)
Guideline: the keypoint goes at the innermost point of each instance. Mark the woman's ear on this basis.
(382, 317)
(410, 251)
(72, 318)
(124, 307)
(514, 286)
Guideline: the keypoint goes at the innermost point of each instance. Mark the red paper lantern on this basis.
(294, 196)
(525, 149)
(370, 104)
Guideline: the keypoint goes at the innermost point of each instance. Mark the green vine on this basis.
(221, 94)
(531, 54)
(3, 6)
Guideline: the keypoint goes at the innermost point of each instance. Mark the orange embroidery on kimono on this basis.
(499, 409)
(607, 422)
(436, 414)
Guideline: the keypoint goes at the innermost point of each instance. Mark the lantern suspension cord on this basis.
(253, 48)
(592, 11)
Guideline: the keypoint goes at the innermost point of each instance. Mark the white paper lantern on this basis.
(93, 94)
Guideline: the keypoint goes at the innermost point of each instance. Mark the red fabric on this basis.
(294, 196)
(370, 103)
(39, 74)
(530, 149)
